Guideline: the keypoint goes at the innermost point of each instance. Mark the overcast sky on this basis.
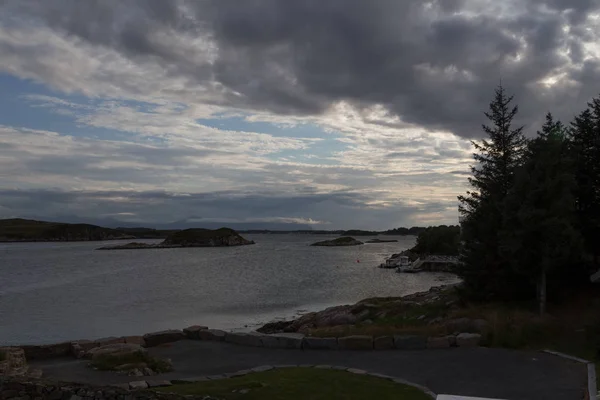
(333, 114)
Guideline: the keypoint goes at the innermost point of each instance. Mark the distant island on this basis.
(382, 241)
(343, 241)
(29, 230)
(25, 230)
(190, 238)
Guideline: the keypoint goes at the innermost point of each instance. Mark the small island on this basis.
(343, 241)
(382, 241)
(190, 238)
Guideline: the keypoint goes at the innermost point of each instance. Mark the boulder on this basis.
(14, 362)
(116, 350)
(135, 340)
(357, 342)
(409, 342)
(158, 338)
(138, 385)
(47, 351)
(468, 340)
(383, 343)
(109, 340)
(283, 341)
(193, 332)
(245, 339)
(212, 334)
(315, 343)
(438, 343)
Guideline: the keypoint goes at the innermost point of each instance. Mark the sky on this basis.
(332, 114)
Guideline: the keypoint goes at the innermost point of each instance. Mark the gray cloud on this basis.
(431, 63)
(155, 208)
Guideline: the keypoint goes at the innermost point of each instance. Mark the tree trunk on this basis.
(542, 293)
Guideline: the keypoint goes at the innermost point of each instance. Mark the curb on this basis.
(592, 388)
(139, 385)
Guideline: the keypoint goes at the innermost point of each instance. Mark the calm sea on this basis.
(51, 292)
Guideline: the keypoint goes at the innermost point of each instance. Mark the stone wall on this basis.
(19, 389)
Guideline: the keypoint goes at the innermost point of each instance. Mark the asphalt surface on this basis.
(483, 372)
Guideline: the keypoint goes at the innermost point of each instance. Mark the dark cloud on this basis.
(432, 63)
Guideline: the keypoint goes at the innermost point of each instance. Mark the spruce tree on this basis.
(585, 149)
(540, 236)
(485, 273)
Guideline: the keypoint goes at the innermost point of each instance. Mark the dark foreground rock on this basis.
(190, 238)
(343, 241)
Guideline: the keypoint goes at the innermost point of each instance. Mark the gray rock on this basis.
(116, 350)
(452, 340)
(138, 385)
(245, 339)
(148, 372)
(438, 343)
(357, 371)
(193, 332)
(383, 343)
(158, 338)
(409, 342)
(109, 340)
(282, 341)
(212, 334)
(320, 343)
(262, 368)
(356, 342)
(468, 340)
(135, 340)
(152, 384)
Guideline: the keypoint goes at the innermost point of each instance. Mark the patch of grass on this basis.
(301, 383)
(110, 363)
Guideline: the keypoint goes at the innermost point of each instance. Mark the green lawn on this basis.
(301, 383)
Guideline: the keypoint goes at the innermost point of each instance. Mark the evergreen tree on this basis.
(539, 235)
(585, 149)
(485, 273)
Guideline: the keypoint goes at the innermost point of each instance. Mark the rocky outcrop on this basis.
(115, 350)
(343, 241)
(190, 238)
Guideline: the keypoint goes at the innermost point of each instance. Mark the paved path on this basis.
(496, 373)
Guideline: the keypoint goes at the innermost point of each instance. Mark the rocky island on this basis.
(382, 241)
(190, 238)
(343, 241)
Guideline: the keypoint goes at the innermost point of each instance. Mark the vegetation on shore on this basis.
(131, 361)
(301, 383)
(190, 238)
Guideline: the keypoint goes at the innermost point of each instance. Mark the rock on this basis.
(367, 322)
(148, 372)
(468, 340)
(153, 384)
(460, 325)
(47, 351)
(452, 340)
(138, 385)
(135, 340)
(109, 340)
(212, 334)
(383, 343)
(158, 338)
(357, 371)
(320, 343)
(116, 350)
(438, 343)
(245, 339)
(408, 342)
(481, 325)
(356, 342)
(14, 363)
(343, 241)
(130, 367)
(35, 373)
(435, 321)
(205, 238)
(193, 332)
(283, 341)
(262, 368)
(136, 372)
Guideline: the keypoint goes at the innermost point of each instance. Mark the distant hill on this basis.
(25, 230)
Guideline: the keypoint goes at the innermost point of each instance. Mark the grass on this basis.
(301, 383)
(110, 363)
